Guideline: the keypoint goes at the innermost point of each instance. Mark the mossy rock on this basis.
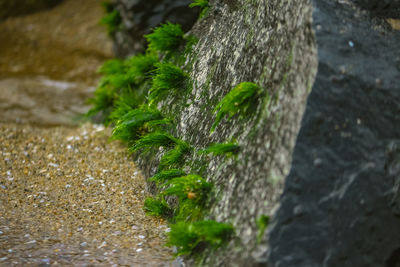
(22, 7)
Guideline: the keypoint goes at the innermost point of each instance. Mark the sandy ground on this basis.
(70, 197)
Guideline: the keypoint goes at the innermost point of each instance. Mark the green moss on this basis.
(175, 157)
(238, 99)
(130, 125)
(157, 207)
(221, 149)
(204, 6)
(141, 66)
(112, 66)
(163, 176)
(168, 78)
(151, 140)
(262, 223)
(188, 187)
(103, 100)
(166, 38)
(191, 238)
(112, 19)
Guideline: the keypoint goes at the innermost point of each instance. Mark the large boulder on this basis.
(340, 205)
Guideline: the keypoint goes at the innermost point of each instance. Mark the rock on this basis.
(351, 127)
(22, 7)
(139, 17)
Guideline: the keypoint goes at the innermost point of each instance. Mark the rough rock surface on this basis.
(269, 43)
(340, 205)
(140, 16)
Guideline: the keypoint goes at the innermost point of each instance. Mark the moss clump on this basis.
(191, 186)
(262, 223)
(221, 149)
(112, 19)
(168, 78)
(141, 66)
(131, 125)
(175, 157)
(191, 238)
(166, 38)
(238, 99)
(157, 207)
(164, 176)
(156, 139)
(204, 6)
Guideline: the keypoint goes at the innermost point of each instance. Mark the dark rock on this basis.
(351, 128)
(139, 17)
(10, 8)
(383, 8)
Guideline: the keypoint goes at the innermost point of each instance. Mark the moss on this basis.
(204, 7)
(175, 157)
(262, 223)
(112, 19)
(164, 176)
(166, 38)
(221, 149)
(156, 139)
(103, 100)
(191, 238)
(188, 187)
(157, 207)
(238, 99)
(140, 67)
(130, 125)
(168, 78)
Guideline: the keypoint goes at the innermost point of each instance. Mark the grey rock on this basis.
(352, 124)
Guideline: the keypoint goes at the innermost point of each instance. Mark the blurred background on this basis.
(49, 53)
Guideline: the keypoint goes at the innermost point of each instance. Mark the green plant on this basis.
(221, 149)
(238, 99)
(112, 19)
(168, 77)
(191, 186)
(156, 139)
(191, 238)
(203, 4)
(130, 125)
(175, 156)
(262, 223)
(164, 176)
(141, 66)
(103, 100)
(157, 207)
(166, 38)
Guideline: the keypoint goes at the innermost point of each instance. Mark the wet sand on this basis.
(70, 197)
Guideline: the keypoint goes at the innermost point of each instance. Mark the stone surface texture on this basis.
(140, 16)
(340, 205)
(267, 42)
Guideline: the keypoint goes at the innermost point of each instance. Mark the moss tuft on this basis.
(164, 176)
(175, 157)
(157, 207)
(166, 38)
(204, 6)
(168, 77)
(156, 139)
(112, 19)
(262, 223)
(191, 238)
(141, 66)
(238, 99)
(221, 149)
(130, 125)
(188, 187)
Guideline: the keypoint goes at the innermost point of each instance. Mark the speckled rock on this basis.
(269, 43)
(340, 205)
(139, 17)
